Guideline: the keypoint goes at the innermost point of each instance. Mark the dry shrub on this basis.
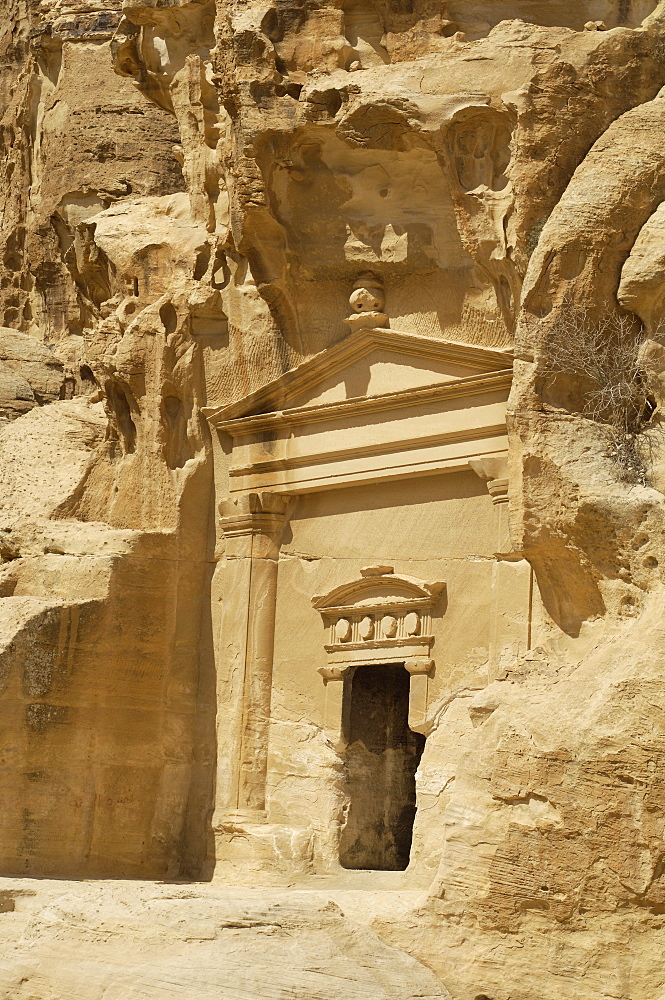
(616, 378)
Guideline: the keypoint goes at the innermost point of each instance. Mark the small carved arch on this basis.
(378, 585)
(380, 615)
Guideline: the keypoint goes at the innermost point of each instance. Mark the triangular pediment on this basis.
(368, 363)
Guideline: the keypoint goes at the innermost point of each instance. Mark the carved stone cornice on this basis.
(472, 385)
(337, 420)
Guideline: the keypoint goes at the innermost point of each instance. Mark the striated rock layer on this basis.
(332, 499)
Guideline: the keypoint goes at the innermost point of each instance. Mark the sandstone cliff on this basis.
(226, 226)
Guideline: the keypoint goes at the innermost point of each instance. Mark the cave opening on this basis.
(381, 759)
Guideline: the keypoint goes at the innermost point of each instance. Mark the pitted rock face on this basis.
(343, 299)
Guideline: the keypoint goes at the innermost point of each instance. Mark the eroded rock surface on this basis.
(322, 578)
(169, 941)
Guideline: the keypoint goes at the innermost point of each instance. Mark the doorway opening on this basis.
(382, 756)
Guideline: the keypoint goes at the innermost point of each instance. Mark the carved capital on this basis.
(261, 513)
(498, 490)
(494, 470)
(332, 673)
(419, 666)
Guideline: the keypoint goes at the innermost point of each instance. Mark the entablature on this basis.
(451, 413)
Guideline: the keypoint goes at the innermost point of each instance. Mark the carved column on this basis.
(421, 671)
(334, 721)
(252, 527)
(512, 576)
(494, 470)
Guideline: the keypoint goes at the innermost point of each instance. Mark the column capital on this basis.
(333, 673)
(494, 470)
(419, 665)
(255, 513)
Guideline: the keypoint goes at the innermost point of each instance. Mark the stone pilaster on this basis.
(512, 576)
(494, 470)
(421, 671)
(252, 526)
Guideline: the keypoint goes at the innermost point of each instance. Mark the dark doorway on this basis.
(381, 760)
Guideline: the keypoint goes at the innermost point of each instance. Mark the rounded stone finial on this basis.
(367, 301)
(367, 294)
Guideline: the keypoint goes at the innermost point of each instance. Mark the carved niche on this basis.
(380, 618)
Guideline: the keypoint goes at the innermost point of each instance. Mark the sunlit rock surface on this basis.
(331, 631)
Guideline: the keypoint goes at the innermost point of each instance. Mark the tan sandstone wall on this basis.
(332, 536)
(189, 192)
